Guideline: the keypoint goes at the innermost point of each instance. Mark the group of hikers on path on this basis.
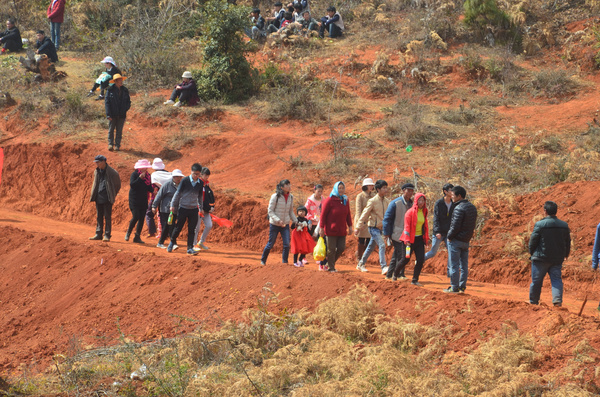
(378, 221)
(176, 198)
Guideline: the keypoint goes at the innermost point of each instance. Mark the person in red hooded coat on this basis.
(56, 16)
(416, 233)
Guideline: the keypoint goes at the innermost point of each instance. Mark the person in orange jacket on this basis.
(416, 234)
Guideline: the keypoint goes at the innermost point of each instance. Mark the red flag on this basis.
(1, 162)
(221, 221)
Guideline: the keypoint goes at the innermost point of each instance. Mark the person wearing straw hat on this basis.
(105, 188)
(140, 186)
(185, 93)
(117, 103)
(103, 80)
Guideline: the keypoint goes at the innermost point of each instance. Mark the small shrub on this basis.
(353, 315)
(462, 116)
(413, 131)
(226, 73)
(554, 83)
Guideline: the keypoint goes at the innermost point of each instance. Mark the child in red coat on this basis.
(302, 242)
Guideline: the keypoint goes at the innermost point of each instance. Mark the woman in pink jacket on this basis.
(416, 234)
(56, 15)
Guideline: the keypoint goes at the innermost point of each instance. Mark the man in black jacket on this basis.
(549, 246)
(462, 227)
(45, 46)
(442, 215)
(117, 103)
(11, 37)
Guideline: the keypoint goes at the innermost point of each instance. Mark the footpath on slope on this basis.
(228, 254)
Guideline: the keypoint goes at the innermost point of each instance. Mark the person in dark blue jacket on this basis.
(140, 186)
(45, 46)
(549, 246)
(117, 103)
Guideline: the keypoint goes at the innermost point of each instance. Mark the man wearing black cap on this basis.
(393, 226)
(105, 187)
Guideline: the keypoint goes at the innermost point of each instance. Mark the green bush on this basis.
(226, 73)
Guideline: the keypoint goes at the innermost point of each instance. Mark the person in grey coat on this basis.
(549, 246)
(105, 188)
(162, 203)
(281, 212)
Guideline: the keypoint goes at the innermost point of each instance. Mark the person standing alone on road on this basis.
(549, 246)
(105, 187)
(462, 228)
(117, 103)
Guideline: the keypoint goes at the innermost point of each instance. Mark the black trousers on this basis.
(183, 95)
(183, 215)
(137, 218)
(103, 218)
(166, 229)
(399, 259)
(115, 131)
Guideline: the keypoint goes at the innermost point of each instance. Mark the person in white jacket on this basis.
(281, 212)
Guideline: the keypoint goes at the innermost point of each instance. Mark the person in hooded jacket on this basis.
(416, 234)
(336, 223)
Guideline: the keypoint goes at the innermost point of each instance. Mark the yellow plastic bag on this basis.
(320, 251)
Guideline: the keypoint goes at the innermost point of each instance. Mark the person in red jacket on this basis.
(56, 16)
(336, 223)
(416, 234)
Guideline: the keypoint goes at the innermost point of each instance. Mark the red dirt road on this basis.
(62, 293)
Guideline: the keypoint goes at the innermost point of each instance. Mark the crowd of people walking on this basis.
(401, 223)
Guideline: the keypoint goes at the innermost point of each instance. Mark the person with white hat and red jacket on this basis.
(140, 187)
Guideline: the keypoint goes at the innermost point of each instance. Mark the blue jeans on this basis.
(435, 245)
(285, 237)
(376, 238)
(458, 253)
(55, 33)
(538, 272)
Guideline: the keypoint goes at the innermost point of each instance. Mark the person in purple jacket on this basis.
(185, 93)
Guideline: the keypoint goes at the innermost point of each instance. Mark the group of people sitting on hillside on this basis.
(295, 18)
(153, 190)
(11, 41)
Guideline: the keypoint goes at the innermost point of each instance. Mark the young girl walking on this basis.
(302, 241)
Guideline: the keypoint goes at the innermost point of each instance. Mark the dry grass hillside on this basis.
(499, 96)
